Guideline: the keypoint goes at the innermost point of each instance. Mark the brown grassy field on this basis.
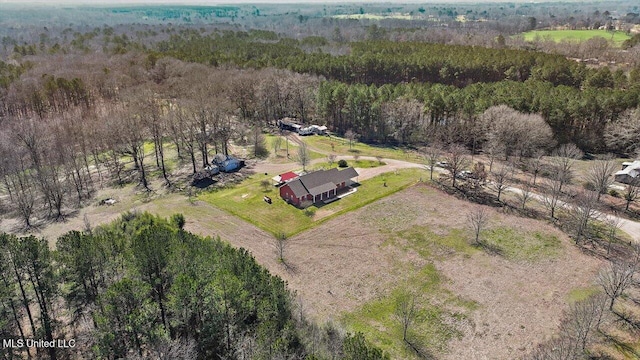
(498, 306)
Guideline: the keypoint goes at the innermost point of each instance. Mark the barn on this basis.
(317, 186)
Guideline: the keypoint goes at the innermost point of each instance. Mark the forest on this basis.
(142, 287)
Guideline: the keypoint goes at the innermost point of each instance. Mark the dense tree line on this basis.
(451, 82)
(381, 62)
(142, 286)
(10, 73)
(573, 114)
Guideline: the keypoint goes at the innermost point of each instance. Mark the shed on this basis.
(284, 178)
(227, 163)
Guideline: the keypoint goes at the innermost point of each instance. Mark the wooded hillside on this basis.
(142, 287)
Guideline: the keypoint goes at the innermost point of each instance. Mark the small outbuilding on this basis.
(284, 178)
(630, 172)
(226, 163)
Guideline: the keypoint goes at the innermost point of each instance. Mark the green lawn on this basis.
(579, 294)
(362, 164)
(430, 331)
(281, 156)
(340, 146)
(245, 200)
(576, 35)
(517, 245)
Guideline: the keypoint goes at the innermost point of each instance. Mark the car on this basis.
(443, 164)
(464, 174)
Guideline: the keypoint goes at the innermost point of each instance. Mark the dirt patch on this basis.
(520, 304)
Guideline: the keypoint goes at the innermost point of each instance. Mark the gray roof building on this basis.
(322, 184)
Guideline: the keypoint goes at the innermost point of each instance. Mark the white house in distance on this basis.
(630, 172)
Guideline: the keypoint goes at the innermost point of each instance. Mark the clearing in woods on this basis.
(617, 37)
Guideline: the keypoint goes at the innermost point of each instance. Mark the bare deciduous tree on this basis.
(613, 223)
(22, 187)
(559, 348)
(457, 160)
(524, 194)
(405, 312)
(304, 157)
(493, 150)
(599, 175)
(563, 160)
(536, 163)
(624, 135)
(500, 179)
(515, 133)
(582, 212)
(403, 118)
(259, 144)
(277, 143)
(616, 279)
(631, 193)
(331, 158)
(584, 320)
(432, 155)
(477, 219)
(265, 184)
(281, 246)
(351, 136)
(552, 196)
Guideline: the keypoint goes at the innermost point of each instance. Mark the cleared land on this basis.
(617, 37)
(338, 145)
(281, 156)
(472, 304)
(246, 201)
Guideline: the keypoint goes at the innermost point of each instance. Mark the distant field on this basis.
(374, 16)
(576, 35)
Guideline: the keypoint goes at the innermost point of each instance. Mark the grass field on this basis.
(432, 328)
(374, 16)
(468, 305)
(340, 146)
(362, 164)
(281, 156)
(575, 35)
(246, 201)
(519, 245)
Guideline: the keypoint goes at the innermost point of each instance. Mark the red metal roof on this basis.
(288, 176)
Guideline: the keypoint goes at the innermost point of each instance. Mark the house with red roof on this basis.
(317, 186)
